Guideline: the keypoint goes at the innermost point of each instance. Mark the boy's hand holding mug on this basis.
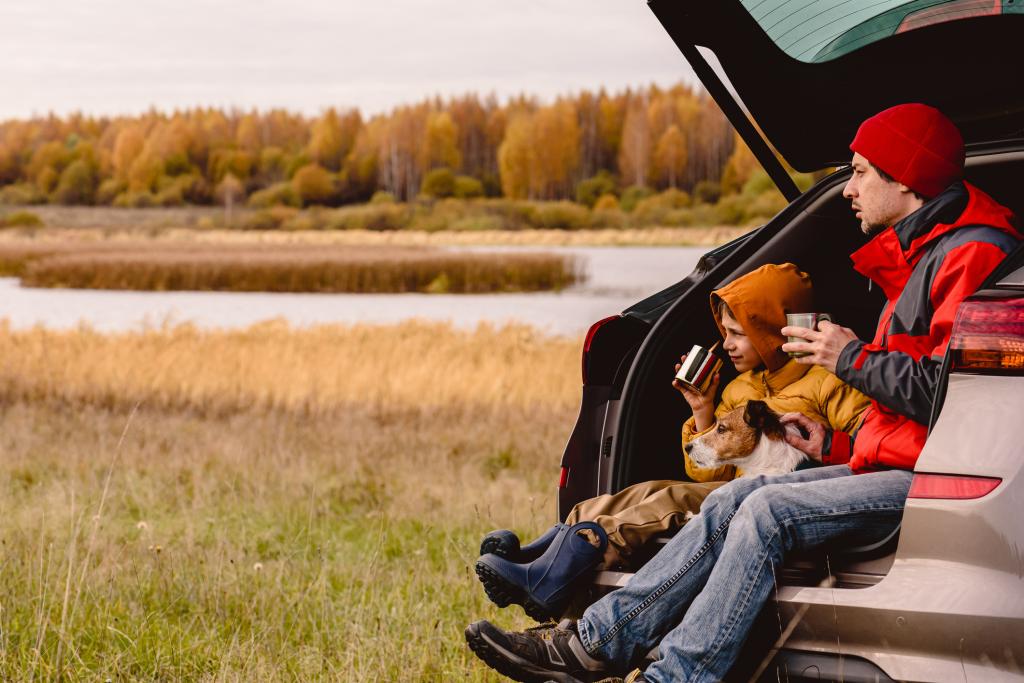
(700, 396)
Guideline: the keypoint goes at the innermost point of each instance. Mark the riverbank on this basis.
(615, 279)
(206, 224)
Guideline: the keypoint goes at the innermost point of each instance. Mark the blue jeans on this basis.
(699, 596)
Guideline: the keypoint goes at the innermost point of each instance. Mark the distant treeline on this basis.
(582, 148)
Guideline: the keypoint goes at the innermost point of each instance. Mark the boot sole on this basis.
(508, 664)
(503, 593)
(501, 547)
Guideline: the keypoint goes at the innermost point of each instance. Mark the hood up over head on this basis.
(759, 302)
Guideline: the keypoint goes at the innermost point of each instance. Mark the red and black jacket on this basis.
(926, 264)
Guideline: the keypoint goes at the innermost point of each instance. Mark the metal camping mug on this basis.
(699, 368)
(808, 320)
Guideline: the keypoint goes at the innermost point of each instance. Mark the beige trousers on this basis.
(638, 513)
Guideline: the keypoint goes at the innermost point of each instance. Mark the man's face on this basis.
(879, 203)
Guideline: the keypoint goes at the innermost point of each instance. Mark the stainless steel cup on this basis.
(808, 320)
(699, 368)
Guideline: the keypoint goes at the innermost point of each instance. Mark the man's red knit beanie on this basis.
(915, 144)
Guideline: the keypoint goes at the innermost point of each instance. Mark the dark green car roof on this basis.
(818, 30)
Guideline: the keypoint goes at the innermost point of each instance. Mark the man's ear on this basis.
(758, 415)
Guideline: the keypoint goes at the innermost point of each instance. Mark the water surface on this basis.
(617, 278)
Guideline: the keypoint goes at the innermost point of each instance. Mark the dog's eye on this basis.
(721, 428)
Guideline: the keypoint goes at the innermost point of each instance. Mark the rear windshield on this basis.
(819, 30)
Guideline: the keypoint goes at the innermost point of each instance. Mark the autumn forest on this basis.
(580, 148)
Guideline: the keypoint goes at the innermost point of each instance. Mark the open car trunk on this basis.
(796, 78)
(640, 419)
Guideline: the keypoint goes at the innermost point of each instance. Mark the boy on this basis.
(750, 312)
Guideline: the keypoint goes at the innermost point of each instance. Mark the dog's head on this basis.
(736, 435)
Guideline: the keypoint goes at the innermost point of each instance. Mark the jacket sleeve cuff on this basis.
(847, 358)
(838, 448)
(690, 430)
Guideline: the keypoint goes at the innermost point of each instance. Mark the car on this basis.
(943, 598)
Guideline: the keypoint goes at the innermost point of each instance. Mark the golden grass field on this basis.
(270, 503)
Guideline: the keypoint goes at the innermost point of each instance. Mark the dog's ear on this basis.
(758, 415)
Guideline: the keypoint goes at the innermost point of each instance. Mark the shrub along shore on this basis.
(175, 266)
(671, 208)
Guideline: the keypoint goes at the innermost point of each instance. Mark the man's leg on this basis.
(629, 622)
(772, 521)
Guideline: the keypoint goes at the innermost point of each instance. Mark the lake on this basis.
(616, 278)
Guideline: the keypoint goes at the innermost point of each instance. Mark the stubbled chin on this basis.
(871, 230)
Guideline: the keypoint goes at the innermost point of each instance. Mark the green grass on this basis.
(267, 504)
(257, 546)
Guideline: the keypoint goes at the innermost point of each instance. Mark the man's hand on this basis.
(823, 345)
(815, 441)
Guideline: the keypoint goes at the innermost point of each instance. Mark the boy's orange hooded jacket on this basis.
(759, 301)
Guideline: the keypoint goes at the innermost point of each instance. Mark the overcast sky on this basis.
(120, 56)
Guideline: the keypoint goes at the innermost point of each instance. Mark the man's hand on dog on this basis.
(823, 345)
(813, 445)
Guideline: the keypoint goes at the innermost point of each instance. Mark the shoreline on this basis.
(647, 237)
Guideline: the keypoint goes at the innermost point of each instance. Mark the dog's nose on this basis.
(687, 448)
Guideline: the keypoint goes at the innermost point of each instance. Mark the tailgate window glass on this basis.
(819, 30)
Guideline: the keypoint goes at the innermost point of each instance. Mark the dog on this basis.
(750, 437)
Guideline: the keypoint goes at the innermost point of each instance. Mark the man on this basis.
(935, 240)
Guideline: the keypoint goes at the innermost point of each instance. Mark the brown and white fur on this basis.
(749, 437)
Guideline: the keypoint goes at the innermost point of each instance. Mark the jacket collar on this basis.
(937, 216)
(882, 261)
(889, 258)
(779, 379)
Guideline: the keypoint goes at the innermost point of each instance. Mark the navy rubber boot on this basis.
(543, 587)
(505, 543)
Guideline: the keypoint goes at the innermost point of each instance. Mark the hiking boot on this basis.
(543, 587)
(505, 543)
(537, 655)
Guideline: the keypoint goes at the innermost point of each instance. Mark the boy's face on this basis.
(737, 344)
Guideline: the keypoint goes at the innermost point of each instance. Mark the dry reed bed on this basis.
(269, 504)
(166, 265)
(272, 366)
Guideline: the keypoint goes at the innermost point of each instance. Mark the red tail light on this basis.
(950, 11)
(988, 337)
(590, 338)
(951, 486)
(563, 478)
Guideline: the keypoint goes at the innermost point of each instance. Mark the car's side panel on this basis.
(953, 603)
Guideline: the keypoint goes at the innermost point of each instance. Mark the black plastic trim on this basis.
(798, 666)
